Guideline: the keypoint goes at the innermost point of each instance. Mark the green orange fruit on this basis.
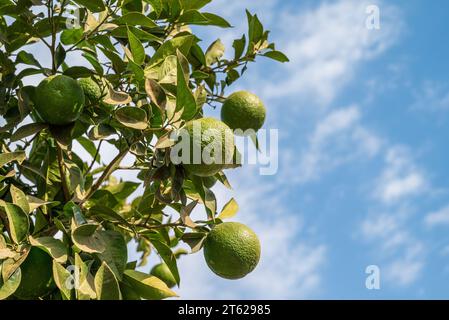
(232, 250)
(211, 145)
(59, 100)
(91, 89)
(243, 110)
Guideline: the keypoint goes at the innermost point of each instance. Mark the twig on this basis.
(65, 187)
(95, 157)
(106, 173)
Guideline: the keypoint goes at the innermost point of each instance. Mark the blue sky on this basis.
(363, 121)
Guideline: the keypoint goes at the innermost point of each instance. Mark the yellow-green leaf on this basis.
(229, 210)
(148, 287)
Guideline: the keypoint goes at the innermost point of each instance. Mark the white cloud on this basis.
(327, 44)
(400, 178)
(438, 218)
(401, 255)
(404, 271)
(431, 96)
(336, 140)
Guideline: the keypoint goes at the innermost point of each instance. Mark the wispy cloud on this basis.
(336, 140)
(400, 254)
(400, 177)
(431, 96)
(437, 218)
(326, 46)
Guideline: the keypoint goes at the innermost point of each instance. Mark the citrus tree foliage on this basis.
(153, 75)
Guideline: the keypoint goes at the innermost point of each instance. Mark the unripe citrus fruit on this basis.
(243, 110)
(211, 146)
(59, 100)
(37, 275)
(232, 250)
(91, 89)
(162, 272)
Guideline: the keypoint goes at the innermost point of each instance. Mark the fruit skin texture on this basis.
(91, 89)
(59, 100)
(162, 272)
(243, 110)
(37, 275)
(217, 131)
(232, 250)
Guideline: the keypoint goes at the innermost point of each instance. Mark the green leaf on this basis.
(101, 131)
(215, 20)
(79, 72)
(195, 240)
(132, 117)
(86, 285)
(71, 36)
(255, 32)
(60, 55)
(87, 239)
(93, 60)
(19, 198)
(123, 190)
(239, 47)
(117, 98)
(36, 203)
(156, 93)
(55, 248)
(116, 253)
(184, 96)
(106, 284)
(276, 55)
(28, 130)
(137, 49)
(194, 4)
(224, 180)
(215, 52)
(148, 287)
(170, 47)
(63, 279)
(122, 32)
(27, 58)
(90, 147)
(229, 210)
(168, 257)
(207, 196)
(10, 286)
(156, 5)
(62, 135)
(136, 19)
(19, 223)
(6, 158)
(92, 5)
(192, 17)
(71, 209)
(106, 213)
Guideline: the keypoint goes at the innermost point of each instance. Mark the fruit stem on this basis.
(65, 187)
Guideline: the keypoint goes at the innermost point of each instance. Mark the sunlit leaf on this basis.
(132, 117)
(106, 284)
(148, 287)
(55, 248)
